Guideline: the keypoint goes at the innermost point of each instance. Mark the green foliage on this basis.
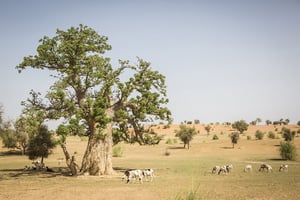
(208, 129)
(259, 135)
(185, 134)
(171, 141)
(89, 93)
(271, 135)
(118, 151)
(248, 137)
(234, 138)
(215, 137)
(288, 151)
(287, 134)
(40, 143)
(14, 137)
(241, 126)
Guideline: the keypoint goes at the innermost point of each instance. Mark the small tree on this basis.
(185, 134)
(259, 135)
(241, 126)
(234, 138)
(40, 144)
(288, 151)
(258, 120)
(13, 138)
(287, 134)
(268, 122)
(208, 129)
(196, 121)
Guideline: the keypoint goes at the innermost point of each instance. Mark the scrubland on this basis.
(182, 172)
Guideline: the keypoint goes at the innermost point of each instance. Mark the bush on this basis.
(271, 135)
(117, 151)
(287, 134)
(171, 141)
(248, 137)
(215, 137)
(259, 135)
(288, 151)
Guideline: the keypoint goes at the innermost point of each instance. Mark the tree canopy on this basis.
(240, 125)
(185, 134)
(94, 98)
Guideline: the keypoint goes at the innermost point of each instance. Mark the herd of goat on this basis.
(134, 175)
(248, 168)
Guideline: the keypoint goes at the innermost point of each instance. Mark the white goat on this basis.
(248, 168)
(148, 173)
(229, 167)
(215, 169)
(267, 167)
(223, 169)
(283, 168)
(132, 175)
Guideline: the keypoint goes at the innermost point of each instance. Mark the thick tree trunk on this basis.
(97, 159)
(98, 156)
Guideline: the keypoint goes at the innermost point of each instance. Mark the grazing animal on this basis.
(229, 168)
(265, 166)
(132, 175)
(223, 169)
(215, 169)
(283, 168)
(148, 173)
(248, 168)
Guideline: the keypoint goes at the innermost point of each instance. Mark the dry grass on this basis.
(179, 173)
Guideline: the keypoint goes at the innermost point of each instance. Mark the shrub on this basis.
(288, 151)
(248, 137)
(271, 135)
(259, 135)
(169, 141)
(117, 151)
(287, 134)
(215, 137)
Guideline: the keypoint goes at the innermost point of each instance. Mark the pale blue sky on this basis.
(224, 60)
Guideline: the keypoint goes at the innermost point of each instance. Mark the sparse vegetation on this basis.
(241, 126)
(259, 135)
(215, 137)
(208, 129)
(288, 151)
(271, 135)
(185, 134)
(173, 166)
(234, 138)
(287, 134)
(118, 151)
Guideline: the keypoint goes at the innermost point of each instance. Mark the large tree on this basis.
(91, 95)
